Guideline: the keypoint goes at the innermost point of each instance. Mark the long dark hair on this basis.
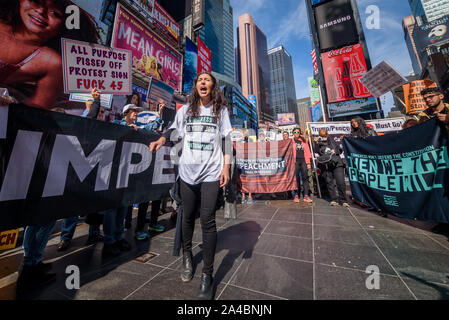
(129, 98)
(88, 32)
(362, 131)
(217, 99)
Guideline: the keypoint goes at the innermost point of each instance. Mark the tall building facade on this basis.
(218, 35)
(303, 107)
(254, 66)
(429, 10)
(283, 93)
(408, 25)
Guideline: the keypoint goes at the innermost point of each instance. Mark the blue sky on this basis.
(284, 22)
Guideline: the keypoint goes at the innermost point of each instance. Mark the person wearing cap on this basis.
(130, 113)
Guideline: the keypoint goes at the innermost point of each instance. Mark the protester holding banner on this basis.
(31, 51)
(359, 129)
(94, 220)
(302, 164)
(130, 112)
(435, 106)
(205, 125)
(244, 137)
(332, 167)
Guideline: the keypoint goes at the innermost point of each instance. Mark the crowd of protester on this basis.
(200, 183)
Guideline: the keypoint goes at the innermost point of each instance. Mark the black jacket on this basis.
(321, 146)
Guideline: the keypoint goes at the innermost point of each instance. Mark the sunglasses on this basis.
(296, 131)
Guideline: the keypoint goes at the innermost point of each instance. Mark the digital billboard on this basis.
(285, 119)
(335, 24)
(190, 65)
(343, 69)
(152, 56)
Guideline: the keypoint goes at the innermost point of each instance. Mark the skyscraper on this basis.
(218, 35)
(303, 109)
(430, 9)
(254, 66)
(408, 25)
(283, 93)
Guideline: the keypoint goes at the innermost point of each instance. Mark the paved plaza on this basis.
(275, 249)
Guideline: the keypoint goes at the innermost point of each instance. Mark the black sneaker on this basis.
(111, 250)
(34, 276)
(123, 245)
(45, 267)
(95, 238)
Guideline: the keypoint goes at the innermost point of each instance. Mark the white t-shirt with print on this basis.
(202, 156)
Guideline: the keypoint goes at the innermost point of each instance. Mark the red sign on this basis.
(342, 70)
(204, 58)
(166, 23)
(266, 167)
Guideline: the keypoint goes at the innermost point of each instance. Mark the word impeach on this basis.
(52, 161)
(406, 172)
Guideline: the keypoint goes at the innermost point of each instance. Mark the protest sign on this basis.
(266, 167)
(52, 160)
(414, 102)
(105, 99)
(405, 174)
(87, 66)
(381, 79)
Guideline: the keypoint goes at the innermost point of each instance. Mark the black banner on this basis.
(433, 33)
(404, 173)
(56, 165)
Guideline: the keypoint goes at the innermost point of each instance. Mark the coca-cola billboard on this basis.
(342, 70)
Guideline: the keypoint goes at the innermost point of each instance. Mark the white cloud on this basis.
(292, 28)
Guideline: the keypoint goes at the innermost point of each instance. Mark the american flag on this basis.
(315, 65)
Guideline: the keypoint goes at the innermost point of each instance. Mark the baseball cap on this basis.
(131, 107)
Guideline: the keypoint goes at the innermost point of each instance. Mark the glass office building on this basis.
(217, 34)
(283, 93)
(243, 113)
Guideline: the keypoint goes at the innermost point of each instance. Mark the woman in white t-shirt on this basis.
(204, 126)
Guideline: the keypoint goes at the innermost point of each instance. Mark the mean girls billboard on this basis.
(151, 55)
(343, 69)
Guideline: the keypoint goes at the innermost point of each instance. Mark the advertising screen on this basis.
(152, 56)
(204, 58)
(286, 119)
(190, 65)
(335, 24)
(342, 70)
(433, 32)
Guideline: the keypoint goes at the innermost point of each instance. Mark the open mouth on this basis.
(38, 21)
(203, 90)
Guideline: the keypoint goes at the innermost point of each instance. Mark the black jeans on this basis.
(338, 174)
(301, 166)
(142, 214)
(205, 195)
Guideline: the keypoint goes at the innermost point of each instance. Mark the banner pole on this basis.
(313, 160)
(322, 105)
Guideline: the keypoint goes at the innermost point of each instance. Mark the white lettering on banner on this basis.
(158, 176)
(127, 168)
(67, 150)
(21, 166)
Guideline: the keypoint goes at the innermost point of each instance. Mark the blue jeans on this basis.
(34, 242)
(113, 227)
(69, 225)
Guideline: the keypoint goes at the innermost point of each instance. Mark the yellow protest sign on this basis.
(8, 239)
